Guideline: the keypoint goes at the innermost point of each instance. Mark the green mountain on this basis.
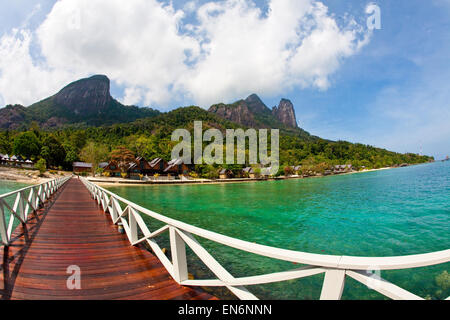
(84, 112)
(86, 101)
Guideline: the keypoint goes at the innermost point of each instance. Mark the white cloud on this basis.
(232, 50)
(297, 44)
(23, 80)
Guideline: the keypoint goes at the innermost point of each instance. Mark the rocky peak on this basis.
(88, 95)
(255, 104)
(285, 113)
(239, 112)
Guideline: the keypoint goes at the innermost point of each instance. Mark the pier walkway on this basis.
(71, 231)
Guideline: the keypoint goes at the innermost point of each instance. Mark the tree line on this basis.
(151, 138)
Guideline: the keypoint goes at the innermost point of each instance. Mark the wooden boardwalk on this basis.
(72, 230)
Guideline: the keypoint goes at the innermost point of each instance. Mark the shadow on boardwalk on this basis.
(71, 230)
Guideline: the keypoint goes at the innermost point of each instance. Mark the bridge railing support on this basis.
(336, 268)
(26, 201)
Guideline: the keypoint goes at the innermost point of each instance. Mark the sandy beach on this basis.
(32, 177)
(27, 176)
(115, 182)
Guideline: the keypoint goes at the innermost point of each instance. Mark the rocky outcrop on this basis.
(85, 96)
(12, 116)
(255, 104)
(239, 112)
(285, 113)
(252, 112)
(86, 101)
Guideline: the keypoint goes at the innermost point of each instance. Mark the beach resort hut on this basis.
(80, 167)
(28, 164)
(113, 169)
(225, 174)
(177, 167)
(158, 165)
(137, 167)
(248, 172)
(102, 165)
(14, 161)
(338, 169)
(5, 160)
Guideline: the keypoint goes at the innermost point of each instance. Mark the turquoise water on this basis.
(8, 186)
(383, 213)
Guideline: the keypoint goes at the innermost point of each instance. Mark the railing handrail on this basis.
(8, 194)
(24, 204)
(334, 261)
(336, 267)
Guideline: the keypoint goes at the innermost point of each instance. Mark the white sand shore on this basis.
(27, 176)
(115, 182)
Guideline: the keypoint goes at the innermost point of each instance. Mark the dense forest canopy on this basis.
(151, 137)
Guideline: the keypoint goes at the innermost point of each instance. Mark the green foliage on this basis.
(71, 154)
(257, 171)
(41, 165)
(151, 138)
(5, 142)
(52, 151)
(94, 153)
(27, 145)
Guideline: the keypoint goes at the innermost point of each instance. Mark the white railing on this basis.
(26, 201)
(336, 268)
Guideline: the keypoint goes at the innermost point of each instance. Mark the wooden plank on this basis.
(69, 230)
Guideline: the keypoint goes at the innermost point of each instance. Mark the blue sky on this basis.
(388, 88)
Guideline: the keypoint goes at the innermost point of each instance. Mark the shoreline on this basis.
(133, 183)
(27, 176)
(31, 177)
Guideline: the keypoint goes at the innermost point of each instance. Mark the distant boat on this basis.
(446, 159)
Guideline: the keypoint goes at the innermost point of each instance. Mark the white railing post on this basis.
(333, 285)
(117, 210)
(34, 199)
(181, 235)
(30, 204)
(3, 230)
(22, 205)
(39, 194)
(178, 252)
(132, 223)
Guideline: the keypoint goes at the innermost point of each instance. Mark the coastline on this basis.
(32, 177)
(27, 176)
(102, 182)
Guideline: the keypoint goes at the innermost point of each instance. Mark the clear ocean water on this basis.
(8, 186)
(383, 213)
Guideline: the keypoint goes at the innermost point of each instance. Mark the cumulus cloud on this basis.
(231, 49)
(23, 80)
